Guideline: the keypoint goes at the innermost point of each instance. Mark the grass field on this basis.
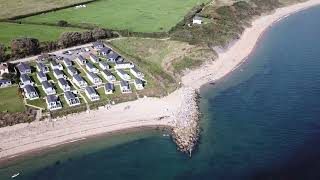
(134, 15)
(10, 31)
(22, 7)
(11, 100)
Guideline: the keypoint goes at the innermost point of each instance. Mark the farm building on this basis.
(123, 65)
(67, 62)
(23, 68)
(5, 83)
(48, 88)
(92, 94)
(41, 76)
(108, 76)
(25, 80)
(30, 92)
(91, 68)
(138, 74)
(58, 74)
(53, 102)
(81, 60)
(71, 98)
(94, 78)
(104, 65)
(93, 58)
(125, 87)
(71, 70)
(42, 67)
(109, 88)
(4, 69)
(197, 20)
(54, 65)
(79, 81)
(64, 85)
(123, 75)
(138, 84)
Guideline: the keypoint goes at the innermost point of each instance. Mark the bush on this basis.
(68, 39)
(2, 53)
(23, 47)
(62, 23)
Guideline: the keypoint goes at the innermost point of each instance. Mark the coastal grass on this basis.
(138, 15)
(10, 31)
(21, 7)
(11, 100)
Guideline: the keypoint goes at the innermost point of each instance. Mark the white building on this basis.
(125, 87)
(197, 20)
(59, 74)
(71, 98)
(48, 88)
(138, 84)
(108, 76)
(41, 76)
(53, 102)
(123, 65)
(64, 85)
(104, 65)
(67, 62)
(71, 70)
(92, 94)
(138, 74)
(91, 68)
(25, 80)
(30, 92)
(4, 69)
(81, 60)
(54, 65)
(79, 81)
(123, 75)
(94, 78)
(5, 83)
(93, 58)
(109, 88)
(42, 67)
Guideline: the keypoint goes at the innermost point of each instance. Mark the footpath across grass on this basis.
(137, 15)
(10, 100)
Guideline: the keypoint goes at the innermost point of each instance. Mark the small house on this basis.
(67, 62)
(23, 68)
(94, 78)
(197, 20)
(48, 88)
(109, 88)
(138, 74)
(97, 45)
(71, 70)
(81, 60)
(108, 75)
(30, 92)
(54, 65)
(79, 81)
(123, 75)
(58, 74)
(25, 80)
(92, 94)
(42, 67)
(123, 65)
(91, 68)
(4, 69)
(41, 76)
(125, 87)
(93, 58)
(5, 83)
(53, 102)
(64, 85)
(104, 65)
(104, 51)
(138, 84)
(71, 98)
(113, 57)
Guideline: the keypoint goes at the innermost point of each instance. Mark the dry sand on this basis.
(22, 138)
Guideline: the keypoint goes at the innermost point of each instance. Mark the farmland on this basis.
(138, 15)
(21, 7)
(10, 31)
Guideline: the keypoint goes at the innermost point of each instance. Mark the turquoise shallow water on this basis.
(260, 122)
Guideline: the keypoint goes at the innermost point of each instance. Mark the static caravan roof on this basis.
(90, 90)
(63, 82)
(25, 78)
(46, 84)
(52, 98)
(69, 95)
(30, 89)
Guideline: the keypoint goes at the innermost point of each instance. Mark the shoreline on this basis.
(145, 112)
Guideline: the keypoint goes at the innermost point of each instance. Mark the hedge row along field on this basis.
(138, 15)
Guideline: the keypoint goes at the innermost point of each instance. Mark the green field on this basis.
(10, 31)
(21, 7)
(11, 100)
(134, 15)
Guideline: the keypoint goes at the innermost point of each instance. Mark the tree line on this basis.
(23, 47)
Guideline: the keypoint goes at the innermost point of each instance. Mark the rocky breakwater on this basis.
(186, 125)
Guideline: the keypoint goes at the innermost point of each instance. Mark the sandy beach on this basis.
(16, 140)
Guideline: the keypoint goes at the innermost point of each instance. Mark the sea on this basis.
(261, 121)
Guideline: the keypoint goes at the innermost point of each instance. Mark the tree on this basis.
(48, 46)
(23, 47)
(62, 23)
(68, 39)
(2, 53)
(99, 33)
(87, 37)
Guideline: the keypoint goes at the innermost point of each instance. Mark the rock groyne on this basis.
(186, 128)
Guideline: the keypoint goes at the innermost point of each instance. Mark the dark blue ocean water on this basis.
(260, 122)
